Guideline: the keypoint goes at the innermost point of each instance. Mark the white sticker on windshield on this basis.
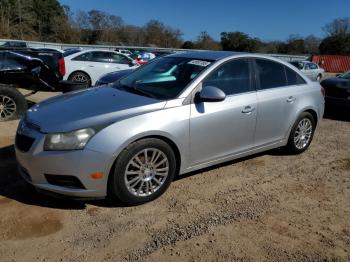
(199, 63)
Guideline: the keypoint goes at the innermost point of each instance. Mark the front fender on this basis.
(171, 123)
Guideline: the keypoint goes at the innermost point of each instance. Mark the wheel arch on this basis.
(163, 138)
(310, 110)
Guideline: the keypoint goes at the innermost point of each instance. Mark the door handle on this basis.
(248, 110)
(91, 66)
(291, 99)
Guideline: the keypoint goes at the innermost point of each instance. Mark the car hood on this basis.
(114, 76)
(95, 107)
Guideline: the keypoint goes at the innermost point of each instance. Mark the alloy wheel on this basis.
(7, 107)
(80, 78)
(146, 172)
(303, 133)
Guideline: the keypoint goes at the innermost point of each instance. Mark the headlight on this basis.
(68, 141)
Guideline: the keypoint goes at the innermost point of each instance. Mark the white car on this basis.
(89, 65)
(311, 70)
(124, 52)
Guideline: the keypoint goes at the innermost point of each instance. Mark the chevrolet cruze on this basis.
(177, 114)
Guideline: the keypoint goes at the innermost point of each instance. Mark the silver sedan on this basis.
(130, 138)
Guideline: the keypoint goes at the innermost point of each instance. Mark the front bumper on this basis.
(36, 163)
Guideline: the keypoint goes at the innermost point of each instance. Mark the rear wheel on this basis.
(12, 103)
(81, 78)
(143, 171)
(302, 133)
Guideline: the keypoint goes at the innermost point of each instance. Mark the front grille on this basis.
(64, 181)
(23, 142)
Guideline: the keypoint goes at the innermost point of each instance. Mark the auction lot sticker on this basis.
(199, 63)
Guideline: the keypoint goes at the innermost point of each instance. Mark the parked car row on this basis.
(88, 66)
(31, 69)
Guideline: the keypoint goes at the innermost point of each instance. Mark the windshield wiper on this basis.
(137, 90)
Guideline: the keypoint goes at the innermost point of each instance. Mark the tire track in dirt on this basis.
(228, 214)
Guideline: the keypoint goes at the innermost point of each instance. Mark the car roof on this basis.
(206, 55)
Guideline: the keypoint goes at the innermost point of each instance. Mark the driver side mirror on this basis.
(210, 94)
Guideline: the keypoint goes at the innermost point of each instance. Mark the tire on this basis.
(80, 77)
(144, 183)
(12, 103)
(305, 126)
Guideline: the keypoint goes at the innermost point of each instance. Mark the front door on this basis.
(220, 129)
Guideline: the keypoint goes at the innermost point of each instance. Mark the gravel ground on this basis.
(268, 207)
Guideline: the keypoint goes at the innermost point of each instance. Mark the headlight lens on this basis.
(68, 141)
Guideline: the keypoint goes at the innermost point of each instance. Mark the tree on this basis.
(336, 45)
(239, 41)
(339, 26)
(312, 44)
(188, 45)
(294, 45)
(206, 42)
(157, 34)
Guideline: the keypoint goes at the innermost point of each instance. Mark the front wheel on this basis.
(143, 171)
(302, 133)
(319, 78)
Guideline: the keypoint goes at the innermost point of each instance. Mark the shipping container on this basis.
(332, 63)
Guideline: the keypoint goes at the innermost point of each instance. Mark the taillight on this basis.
(61, 66)
(323, 91)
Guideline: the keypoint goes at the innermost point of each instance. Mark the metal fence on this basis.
(34, 44)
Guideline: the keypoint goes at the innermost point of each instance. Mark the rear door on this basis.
(277, 95)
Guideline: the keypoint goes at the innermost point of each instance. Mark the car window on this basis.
(299, 65)
(2, 60)
(293, 77)
(313, 66)
(83, 57)
(102, 57)
(232, 78)
(270, 74)
(119, 59)
(307, 66)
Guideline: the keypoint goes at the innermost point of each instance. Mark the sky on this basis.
(265, 19)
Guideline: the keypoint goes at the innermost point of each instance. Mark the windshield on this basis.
(164, 78)
(346, 75)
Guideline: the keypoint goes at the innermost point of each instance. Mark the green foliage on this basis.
(239, 41)
(336, 45)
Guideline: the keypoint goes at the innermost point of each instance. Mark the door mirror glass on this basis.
(210, 94)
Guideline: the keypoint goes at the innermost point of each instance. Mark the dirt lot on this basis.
(269, 207)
